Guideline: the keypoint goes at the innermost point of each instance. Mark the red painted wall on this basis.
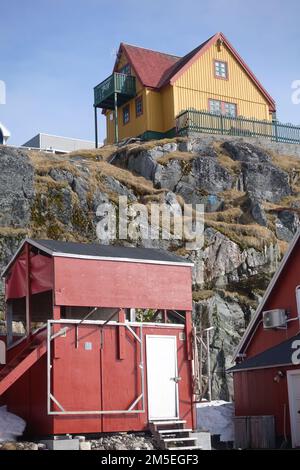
(94, 380)
(122, 284)
(97, 379)
(256, 393)
(282, 296)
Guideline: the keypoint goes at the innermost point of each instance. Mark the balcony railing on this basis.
(193, 122)
(123, 85)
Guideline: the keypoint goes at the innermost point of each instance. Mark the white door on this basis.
(162, 377)
(294, 404)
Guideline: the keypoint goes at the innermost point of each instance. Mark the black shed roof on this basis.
(109, 251)
(280, 355)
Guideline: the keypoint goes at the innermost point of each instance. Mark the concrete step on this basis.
(166, 421)
(156, 426)
(179, 439)
(173, 431)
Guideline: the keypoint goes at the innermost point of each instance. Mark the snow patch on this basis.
(217, 418)
(11, 426)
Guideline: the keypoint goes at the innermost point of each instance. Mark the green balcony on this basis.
(118, 83)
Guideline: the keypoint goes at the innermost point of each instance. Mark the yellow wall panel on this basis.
(155, 121)
(167, 95)
(198, 83)
(135, 126)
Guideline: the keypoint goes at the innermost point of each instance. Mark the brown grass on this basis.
(244, 235)
(13, 232)
(229, 216)
(180, 156)
(101, 153)
(286, 163)
(44, 162)
(139, 184)
(202, 295)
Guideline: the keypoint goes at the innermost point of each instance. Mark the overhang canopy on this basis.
(280, 355)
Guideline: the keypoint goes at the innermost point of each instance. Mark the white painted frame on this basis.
(176, 370)
(293, 411)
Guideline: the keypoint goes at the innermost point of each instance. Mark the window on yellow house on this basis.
(139, 106)
(126, 114)
(221, 69)
(222, 107)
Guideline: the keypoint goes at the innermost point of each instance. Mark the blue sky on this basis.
(52, 52)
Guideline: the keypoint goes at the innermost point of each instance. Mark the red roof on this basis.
(157, 69)
(149, 65)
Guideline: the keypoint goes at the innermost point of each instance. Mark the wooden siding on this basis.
(256, 394)
(282, 296)
(155, 120)
(136, 125)
(195, 86)
(101, 283)
(169, 114)
(111, 391)
(192, 89)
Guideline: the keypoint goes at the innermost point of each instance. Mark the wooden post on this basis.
(165, 315)
(27, 280)
(96, 127)
(8, 318)
(56, 312)
(121, 335)
(188, 334)
(116, 118)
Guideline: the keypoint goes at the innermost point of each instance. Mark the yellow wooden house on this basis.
(148, 90)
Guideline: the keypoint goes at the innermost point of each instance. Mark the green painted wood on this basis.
(120, 83)
(192, 121)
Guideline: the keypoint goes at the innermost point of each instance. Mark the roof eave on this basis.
(213, 39)
(243, 343)
(89, 257)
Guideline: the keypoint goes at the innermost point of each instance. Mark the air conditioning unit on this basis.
(276, 318)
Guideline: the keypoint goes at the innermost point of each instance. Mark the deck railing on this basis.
(190, 122)
(115, 83)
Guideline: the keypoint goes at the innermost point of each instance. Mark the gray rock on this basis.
(80, 187)
(59, 174)
(265, 182)
(16, 188)
(116, 187)
(167, 176)
(245, 152)
(219, 311)
(258, 213)
(260, 178)
(210, 175)
(290, 220)
(282, 232)
(59, 204)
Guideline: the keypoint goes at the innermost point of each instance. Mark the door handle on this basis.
(176, 379)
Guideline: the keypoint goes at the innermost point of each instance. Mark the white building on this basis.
(4, 134)
(58, 144)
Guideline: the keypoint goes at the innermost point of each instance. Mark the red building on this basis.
(80, 355)
(267, 371)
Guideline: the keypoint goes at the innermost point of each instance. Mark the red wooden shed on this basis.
(81, 355)
(267, 371)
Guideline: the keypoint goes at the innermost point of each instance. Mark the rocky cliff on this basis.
(251, 200)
